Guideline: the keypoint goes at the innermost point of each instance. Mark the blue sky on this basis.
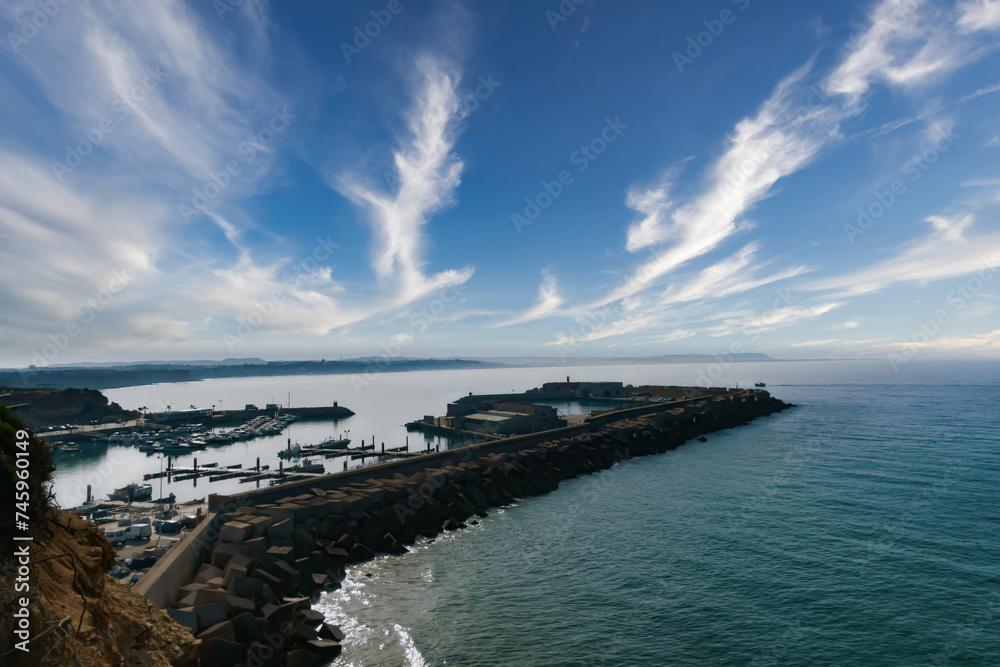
(443, 178)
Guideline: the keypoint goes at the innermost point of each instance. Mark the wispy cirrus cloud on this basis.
(737, 274)
(979, 15)
(907, 43)
(772, 144)
(768, 321)
(428, 173)
(548, 302)
(143, 103)
(947, 251)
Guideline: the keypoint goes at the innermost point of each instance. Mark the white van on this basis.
(116, 535)
(139, 531)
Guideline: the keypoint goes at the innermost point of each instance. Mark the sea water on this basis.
(861, 527)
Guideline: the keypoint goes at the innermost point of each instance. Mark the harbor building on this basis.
(501, 417)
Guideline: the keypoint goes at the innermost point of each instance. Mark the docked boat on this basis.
(306, 466)
(334, 443)
(176, 449)
(132, 492)
(293, 452)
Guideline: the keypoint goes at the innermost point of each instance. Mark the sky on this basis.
(441, 178)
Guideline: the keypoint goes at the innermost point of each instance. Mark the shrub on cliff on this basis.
(39, 475)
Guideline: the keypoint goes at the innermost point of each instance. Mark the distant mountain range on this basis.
(109, 375)
(615, 361)
(131, 364)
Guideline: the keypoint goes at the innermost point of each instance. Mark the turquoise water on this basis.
(860, 528)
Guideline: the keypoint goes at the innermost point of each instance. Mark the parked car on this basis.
(139, 531)
(188, 522)
(117, 535)
(140, 563)
(166, 527)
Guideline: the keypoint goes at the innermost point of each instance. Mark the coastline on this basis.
(266, 552)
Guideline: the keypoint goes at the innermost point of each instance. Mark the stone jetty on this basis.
(259, 558)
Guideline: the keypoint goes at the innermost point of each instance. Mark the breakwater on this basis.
(241, 580)
(229, 417)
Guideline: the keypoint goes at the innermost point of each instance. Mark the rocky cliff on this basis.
(55, 599)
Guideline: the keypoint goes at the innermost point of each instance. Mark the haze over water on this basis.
(859, 528)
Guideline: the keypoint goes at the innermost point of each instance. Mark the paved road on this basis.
(93, 428)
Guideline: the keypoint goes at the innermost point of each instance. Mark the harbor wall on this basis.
(244, 566)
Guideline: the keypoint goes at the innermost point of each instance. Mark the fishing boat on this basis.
(291, 453)
(334, 443)
(759, 384)
(177, 449)
(306, 466)
(132, 492)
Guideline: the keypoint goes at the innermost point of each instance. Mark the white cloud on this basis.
(906, 44)
(428, 174)
(946, 252)
(988, 342)
(548, 302)
(737, 274)
(734, 275)
(979, 15)
(763, 149)
(827, 342)
(755, 324)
